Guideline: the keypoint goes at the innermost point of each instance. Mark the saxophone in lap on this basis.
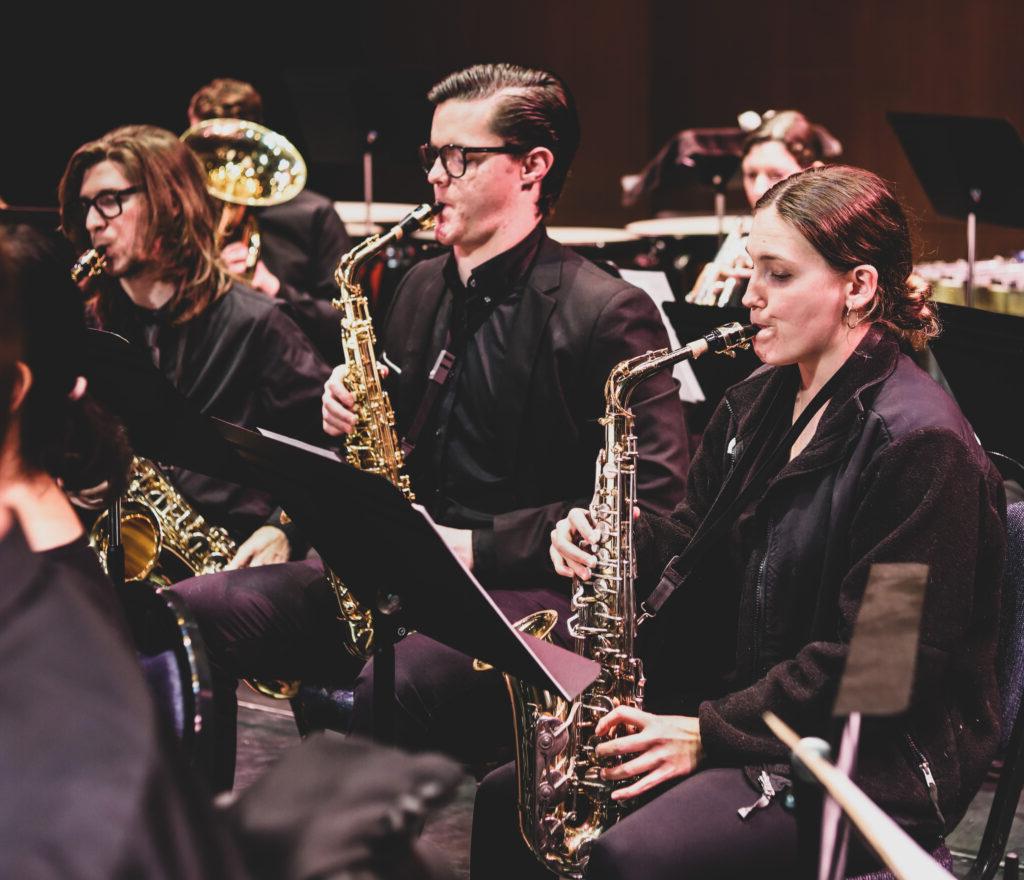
(373, 444)
(563, 804)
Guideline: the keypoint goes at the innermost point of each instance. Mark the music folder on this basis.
(362, 526)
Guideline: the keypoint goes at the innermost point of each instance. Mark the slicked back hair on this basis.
(537, 110)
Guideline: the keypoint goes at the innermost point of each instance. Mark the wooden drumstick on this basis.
(893, 845)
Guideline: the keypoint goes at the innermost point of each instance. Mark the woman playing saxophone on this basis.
(840, 453)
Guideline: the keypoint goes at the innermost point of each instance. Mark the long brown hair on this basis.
(179, 235)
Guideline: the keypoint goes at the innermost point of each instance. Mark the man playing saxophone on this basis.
(138, 194)
(527, 331)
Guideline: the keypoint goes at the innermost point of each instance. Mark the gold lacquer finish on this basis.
(563, 804)
(247, 166)
(373, 444)
(163, 536)
(89, 265)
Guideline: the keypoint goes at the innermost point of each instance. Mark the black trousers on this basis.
(442, 703)
(274, 621)
(689, 830)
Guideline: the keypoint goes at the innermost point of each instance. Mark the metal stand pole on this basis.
(371, 139)
(972, 236)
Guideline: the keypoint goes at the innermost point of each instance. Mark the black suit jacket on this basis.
(575, 322)
(303, 240)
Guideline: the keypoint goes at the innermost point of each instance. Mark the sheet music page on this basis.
(656, 286)
(329, 454)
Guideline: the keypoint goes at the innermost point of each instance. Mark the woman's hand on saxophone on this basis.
(338, 410)
(569, 558)
(661, 747)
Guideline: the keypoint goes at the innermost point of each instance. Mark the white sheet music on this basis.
(308, 447)
(656, 286)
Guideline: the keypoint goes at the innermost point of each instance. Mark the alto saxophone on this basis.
(164, 537)
(563, 804)
(373, 444)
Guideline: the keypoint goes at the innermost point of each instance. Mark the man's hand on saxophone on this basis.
(662, 747)
(338, 412)
(339, 417)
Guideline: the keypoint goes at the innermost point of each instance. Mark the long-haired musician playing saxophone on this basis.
(138, 194)
(886, 469)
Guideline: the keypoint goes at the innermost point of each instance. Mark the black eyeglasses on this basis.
(453, 156)
(109, 202)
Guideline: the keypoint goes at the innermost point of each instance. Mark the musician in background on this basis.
(506, 446)
(303, 239)
(139, 194)
(783, 143)
(883, 468)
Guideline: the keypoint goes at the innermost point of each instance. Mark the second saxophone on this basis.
(563, 804)
(373, 444)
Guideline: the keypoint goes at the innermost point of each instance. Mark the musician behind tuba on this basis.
(301, 236)
(778, 144)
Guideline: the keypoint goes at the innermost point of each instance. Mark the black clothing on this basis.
(690, 831)
(242, 360)
(88, 790)
(303, 240)
(572, 324)
(562, 335)
(461, 474)
(893, 474)
(97, 587)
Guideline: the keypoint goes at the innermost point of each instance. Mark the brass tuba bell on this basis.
(247, 166)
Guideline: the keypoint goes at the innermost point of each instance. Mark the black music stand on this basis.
(713, 154)
(972, 168)
(422, 587)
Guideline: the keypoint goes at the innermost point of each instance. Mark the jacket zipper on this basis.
(759, 604)
(767, 793)
(929, 778)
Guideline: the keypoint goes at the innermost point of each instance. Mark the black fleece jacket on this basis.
(894, 473)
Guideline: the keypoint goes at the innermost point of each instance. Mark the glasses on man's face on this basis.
(109, 202)
(453, 156)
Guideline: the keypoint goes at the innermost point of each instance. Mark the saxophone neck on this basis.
(421, 217)
(628, 374)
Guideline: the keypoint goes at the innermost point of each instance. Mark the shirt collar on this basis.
(501, 273)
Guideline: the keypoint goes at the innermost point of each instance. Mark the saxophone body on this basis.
(373, 444)
(563, 804)
(164, 537)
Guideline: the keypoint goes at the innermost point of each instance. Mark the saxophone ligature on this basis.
(373, 444)
(563, 804)
(90, 264)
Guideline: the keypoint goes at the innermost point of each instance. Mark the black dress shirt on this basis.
(244, 361)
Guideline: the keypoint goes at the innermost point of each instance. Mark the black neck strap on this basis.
(735, 494)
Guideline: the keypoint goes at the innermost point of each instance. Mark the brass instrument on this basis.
(164, 538)
(88, 265)
(373, 445)
(715, 286)
(563, 804)
(246, 165)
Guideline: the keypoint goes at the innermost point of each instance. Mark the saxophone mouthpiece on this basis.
(88, 266)
(421, 217)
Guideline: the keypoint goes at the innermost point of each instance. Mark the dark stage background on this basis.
(640, 70)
